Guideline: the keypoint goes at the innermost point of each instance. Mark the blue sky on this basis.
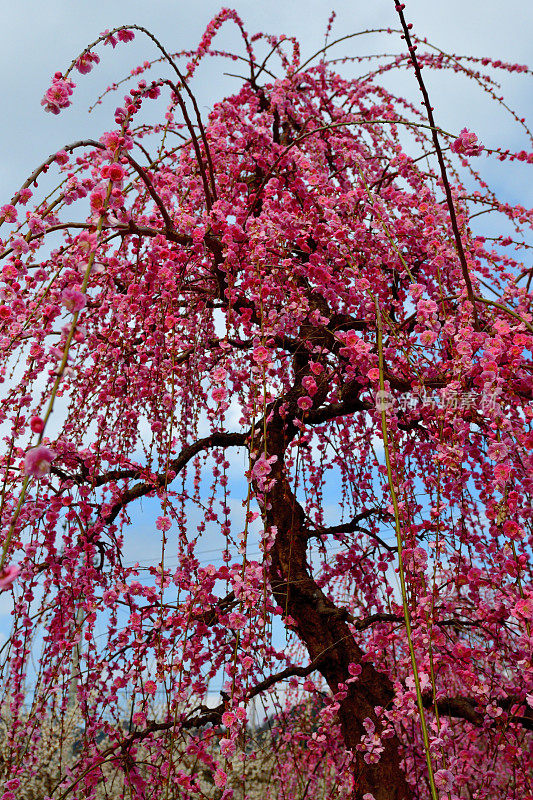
(41, 38)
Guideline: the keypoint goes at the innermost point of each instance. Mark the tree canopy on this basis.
(285, 304)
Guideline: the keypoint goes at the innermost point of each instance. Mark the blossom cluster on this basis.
(200, 330)
(56, 98)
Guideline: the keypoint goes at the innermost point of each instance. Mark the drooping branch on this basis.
(175, 466)
(471, 710)
(353, 526)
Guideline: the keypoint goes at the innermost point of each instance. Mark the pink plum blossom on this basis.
(219, 394)
(86, 241)
(109, 38)
(502, 472)
(309, 384)
(467, 144)
(20, 245)
(125, 35)
(57, 96)
(61, 157)
(84, 63)
(220, 778)
(497, 451)
(228, 718)
(38, 460)
(113, 172)
(416, 290)
(98, 200)
(73, 299)
(262, 466)
(9, 213)
(444, 780)
(227, 747)
(305, 403)
(8, 576)
(37, 424)
(261, 355)
(25, 195)
(524, 608)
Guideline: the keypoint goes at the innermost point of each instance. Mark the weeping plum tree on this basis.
(286, 304)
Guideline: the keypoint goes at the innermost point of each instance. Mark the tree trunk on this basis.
(322, 628)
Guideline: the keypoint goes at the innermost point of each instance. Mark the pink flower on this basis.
(427, 338)
(416, 290)
(220, 778)
(219, 394)
(37, 424)
(8, 576)
(260, 355)
(237, 621)
(227, 747)
(426, 307)
(109, 38)
(61, 157)
(73, 299)
(524, 608)
(125, 35)
(113, 172)
(467, 144)
(304, 403)
(310, 384)
(9, 213)
(262, 466)
(57, 96)
(20, 245)
(25, 195)
(497, 451)
(98, 198)
(444, 780)
(373, 757)
(111, 140)
(86, 241)
(150, 687)
(502, 472)
(163, 524)
(38, 460)
(85, 62)
(228, 718)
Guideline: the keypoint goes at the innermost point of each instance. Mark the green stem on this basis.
(406, 613)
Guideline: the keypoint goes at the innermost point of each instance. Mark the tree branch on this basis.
(219, 439)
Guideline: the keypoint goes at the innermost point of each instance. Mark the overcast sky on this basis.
(42, 37)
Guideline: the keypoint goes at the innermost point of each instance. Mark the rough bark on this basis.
(322, 628)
